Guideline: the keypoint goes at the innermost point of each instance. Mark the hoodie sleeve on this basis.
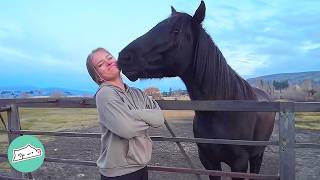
(151, 114)
(116, 116)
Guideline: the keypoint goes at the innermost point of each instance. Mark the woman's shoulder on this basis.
(134, 89)
(137, 91)
(105, 92)
(104, 89)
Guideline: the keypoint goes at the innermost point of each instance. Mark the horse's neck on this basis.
(215, 80)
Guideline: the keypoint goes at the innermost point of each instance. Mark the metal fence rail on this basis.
(171, 139)
(170, 169)
(230, 105)
(286, 141)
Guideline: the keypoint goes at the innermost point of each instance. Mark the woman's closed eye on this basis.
(108, 57)
(101, 64)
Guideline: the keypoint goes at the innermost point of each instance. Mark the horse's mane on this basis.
(215, 77)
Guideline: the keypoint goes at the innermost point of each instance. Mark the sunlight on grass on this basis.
(310, 120)
(178, 115)
(55, 119)
(5, 166)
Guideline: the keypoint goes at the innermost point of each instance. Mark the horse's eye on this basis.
(176, 31)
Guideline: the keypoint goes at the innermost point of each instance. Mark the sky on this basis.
(45, 43)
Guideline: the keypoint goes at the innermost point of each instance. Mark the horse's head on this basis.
(167, 50)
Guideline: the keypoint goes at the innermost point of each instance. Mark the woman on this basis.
(125, 114)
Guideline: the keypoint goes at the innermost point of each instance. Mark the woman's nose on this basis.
(109, 62)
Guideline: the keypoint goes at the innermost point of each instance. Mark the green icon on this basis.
(26, 153)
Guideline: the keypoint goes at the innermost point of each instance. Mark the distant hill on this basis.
(293, 78)
(23, 92)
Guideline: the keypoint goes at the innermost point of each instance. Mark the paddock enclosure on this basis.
(286, 141)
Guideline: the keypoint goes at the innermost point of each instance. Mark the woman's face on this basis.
(105, 65)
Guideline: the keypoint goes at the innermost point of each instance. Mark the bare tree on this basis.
(154, 92)
(280, 85)
(308, 87)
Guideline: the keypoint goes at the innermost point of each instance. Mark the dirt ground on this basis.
(166, 154)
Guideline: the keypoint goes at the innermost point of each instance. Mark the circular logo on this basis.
(26, 153)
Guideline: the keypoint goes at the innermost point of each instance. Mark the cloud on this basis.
(270, 35)
(6, 51)
(9, 30)
(255, 36)
(244, 62)
(309, 45)
(13, 57)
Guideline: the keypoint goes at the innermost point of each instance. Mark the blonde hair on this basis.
(91, 69)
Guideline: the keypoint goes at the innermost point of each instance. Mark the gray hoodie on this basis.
(124, 117)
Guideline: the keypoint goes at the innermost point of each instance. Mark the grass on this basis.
(56, 119)
(310, 120)
(178, 115)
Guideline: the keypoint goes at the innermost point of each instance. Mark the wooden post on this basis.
(13, 125)
(287, 141)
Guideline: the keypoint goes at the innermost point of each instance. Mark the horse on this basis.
(179, 47)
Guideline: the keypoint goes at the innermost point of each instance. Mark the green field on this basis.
(58, 119)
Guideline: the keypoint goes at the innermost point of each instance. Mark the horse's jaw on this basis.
(133, 79)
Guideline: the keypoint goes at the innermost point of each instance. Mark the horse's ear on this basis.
(173, 10)
(198, 16)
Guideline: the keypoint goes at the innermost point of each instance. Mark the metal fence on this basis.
(286, 140)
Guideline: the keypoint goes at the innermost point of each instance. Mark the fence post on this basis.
(13, 125)
(287, 141)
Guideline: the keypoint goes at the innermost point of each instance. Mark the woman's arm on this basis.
(116, 116)
(152, 114)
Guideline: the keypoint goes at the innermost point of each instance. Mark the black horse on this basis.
(179, 46)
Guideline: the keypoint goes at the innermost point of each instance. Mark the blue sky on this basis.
(45, 43)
